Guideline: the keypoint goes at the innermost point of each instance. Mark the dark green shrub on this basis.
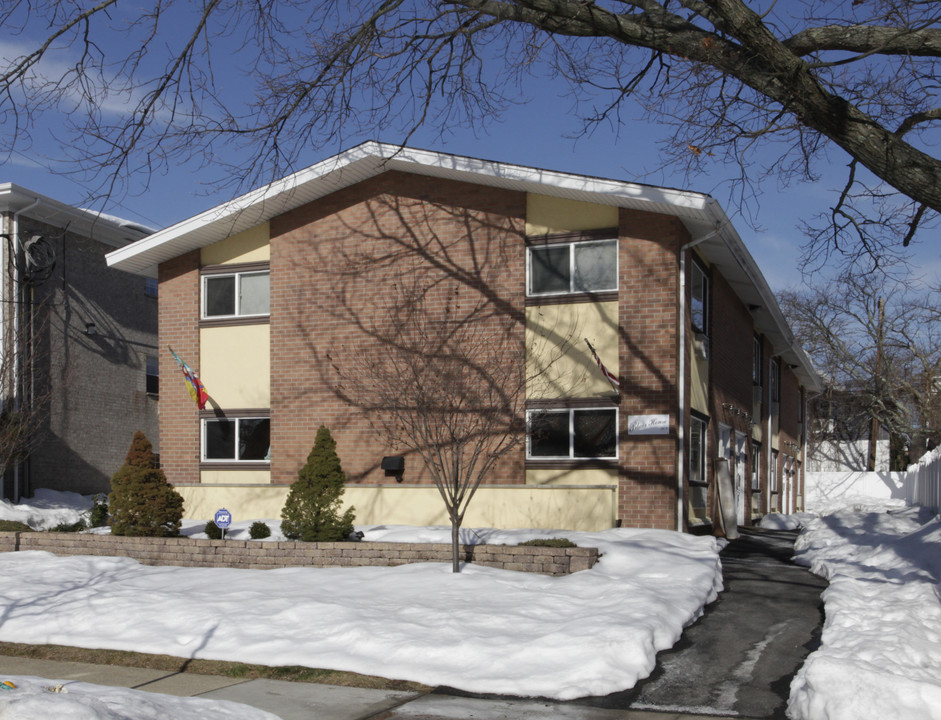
(75, 527)
(259, 531)
(98, 517)
(311, 511)
(213, 531)
(142, 503)
(550, 542)
(14, 526)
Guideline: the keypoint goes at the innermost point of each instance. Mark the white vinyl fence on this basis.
(919, 485)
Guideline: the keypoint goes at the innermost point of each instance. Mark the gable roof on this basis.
(706, 221)
(107, 229)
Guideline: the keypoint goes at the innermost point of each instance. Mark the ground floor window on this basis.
(572, 433)
(238, 439)
(698, 487)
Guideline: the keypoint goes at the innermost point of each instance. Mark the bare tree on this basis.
(446, 382)
(813, 81)
(876, 341)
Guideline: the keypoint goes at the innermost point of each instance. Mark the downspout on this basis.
(17, 319)
(681, 413)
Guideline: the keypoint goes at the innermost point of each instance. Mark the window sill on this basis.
(234, 321)
(235, 465)
(570, 463)
(572, 298)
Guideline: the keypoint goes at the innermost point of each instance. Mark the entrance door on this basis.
(740, 460)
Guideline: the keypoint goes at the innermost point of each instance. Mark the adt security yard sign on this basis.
(223, 519)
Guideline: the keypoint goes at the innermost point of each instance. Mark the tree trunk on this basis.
(455, 545)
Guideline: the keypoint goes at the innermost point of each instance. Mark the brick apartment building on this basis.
(265, 295)
(78, 343)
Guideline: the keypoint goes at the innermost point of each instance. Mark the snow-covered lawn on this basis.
(881, 651)
(483, 630)
(496, 631)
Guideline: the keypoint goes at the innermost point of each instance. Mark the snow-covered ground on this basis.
(881, 651)
(496, 631)
(482, 630)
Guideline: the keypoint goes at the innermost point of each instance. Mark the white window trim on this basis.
(570, 245)
(571, 412)
(238, 282)
(236, 420)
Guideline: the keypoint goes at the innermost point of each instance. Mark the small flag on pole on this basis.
(615, 383)
(195, 387)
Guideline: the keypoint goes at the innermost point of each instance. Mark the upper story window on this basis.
(699, 303)
(151, 287)
(240, 439)
(236, 294)
(152, 376)
(573, 433)
(573, 267)
(775, 380)
(757, 361)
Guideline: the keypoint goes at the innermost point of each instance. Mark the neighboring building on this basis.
(259, 295)
(78, 342)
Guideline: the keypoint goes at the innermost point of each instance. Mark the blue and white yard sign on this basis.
(223, 519)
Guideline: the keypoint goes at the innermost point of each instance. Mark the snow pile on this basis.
(881, 646)
(38, 699)
(777, 521)
(482, 630)
(47, 509)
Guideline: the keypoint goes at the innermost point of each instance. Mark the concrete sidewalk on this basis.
(310, 701)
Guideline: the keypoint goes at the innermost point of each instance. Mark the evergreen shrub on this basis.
(550, 542)
(312, 510)
(142, 503)
(213, 531)
(98, 517)
(259, 530)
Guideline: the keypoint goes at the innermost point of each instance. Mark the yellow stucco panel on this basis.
(234, 365)
(251, 245)
(559, 364)
(572, 476)
(519, 506)
(547, 215)
(699, 379)
(235, 477)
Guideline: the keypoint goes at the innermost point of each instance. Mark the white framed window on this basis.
(698, 487)
(239, 439)
(755, 467)
(234, 295)
(572, 267)
(582, 433)
(699, 302)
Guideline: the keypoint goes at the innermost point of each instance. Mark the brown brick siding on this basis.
(392, 229)
(647, 351)
(179, 329)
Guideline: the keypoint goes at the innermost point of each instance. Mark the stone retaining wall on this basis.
(258, 555)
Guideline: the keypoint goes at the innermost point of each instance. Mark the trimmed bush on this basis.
(213, 531)
(14, 526)
(259, 531)
(77, 526)
(312, 510)
(142, 503)
(550, 542)
(98, 517)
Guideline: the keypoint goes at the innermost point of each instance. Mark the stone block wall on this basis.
(258, 555)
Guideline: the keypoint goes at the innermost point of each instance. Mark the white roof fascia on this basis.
(103, 228)
(371, 159)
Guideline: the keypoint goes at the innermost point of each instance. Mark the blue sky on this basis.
(536, 132)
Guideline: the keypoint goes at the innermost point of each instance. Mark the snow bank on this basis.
(881, 646)
(47, 509)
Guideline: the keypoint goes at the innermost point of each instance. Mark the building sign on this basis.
(648, 425)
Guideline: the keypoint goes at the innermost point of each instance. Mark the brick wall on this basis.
(337, 266)
(647, 351)
(179, 329)
(257, 555)
(93, 385)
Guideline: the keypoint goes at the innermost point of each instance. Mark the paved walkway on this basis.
(737, 661)
(740, 657)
